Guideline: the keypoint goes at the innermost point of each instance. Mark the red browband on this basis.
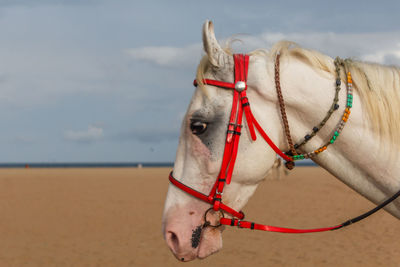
(240, 105)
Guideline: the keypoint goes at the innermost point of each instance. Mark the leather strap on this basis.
(262, 227)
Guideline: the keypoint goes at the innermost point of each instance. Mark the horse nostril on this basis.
(173, 241)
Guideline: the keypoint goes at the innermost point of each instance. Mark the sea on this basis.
(107, 164)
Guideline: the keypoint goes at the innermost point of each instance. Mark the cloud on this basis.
(93, 133)
(168, 55)
(382, 48)
(147, 135)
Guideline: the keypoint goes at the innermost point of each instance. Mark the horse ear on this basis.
(216, 55)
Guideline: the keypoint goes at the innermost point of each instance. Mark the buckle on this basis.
(219, 193)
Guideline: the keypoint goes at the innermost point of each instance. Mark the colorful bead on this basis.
(333, 108)
(341, 124)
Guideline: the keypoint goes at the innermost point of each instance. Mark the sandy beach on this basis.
(112, 217)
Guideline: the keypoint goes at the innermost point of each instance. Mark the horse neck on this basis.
(358, 157)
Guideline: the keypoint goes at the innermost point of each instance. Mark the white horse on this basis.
(364, 156)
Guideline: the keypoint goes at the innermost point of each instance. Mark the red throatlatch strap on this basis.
(249, 118)
(269, 141)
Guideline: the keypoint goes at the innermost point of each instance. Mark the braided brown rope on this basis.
(289, 164)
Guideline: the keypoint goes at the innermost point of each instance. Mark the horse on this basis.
(364, 156)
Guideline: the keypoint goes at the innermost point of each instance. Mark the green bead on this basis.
(332, 141)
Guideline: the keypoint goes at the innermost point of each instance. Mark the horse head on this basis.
(201, 147)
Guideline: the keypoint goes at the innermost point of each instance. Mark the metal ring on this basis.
(207, 223)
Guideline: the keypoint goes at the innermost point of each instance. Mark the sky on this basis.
(110, 81)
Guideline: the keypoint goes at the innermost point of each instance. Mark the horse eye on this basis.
(198, 127)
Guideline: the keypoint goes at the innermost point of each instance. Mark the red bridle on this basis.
(240, 105)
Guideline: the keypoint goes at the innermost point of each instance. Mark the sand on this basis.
(112, 217)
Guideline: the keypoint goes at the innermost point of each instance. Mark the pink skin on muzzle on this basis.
(185, 234)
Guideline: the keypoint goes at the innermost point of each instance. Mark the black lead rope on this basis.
(368, 213)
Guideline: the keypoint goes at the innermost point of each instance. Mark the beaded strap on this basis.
(341, 124)
(334, 107)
